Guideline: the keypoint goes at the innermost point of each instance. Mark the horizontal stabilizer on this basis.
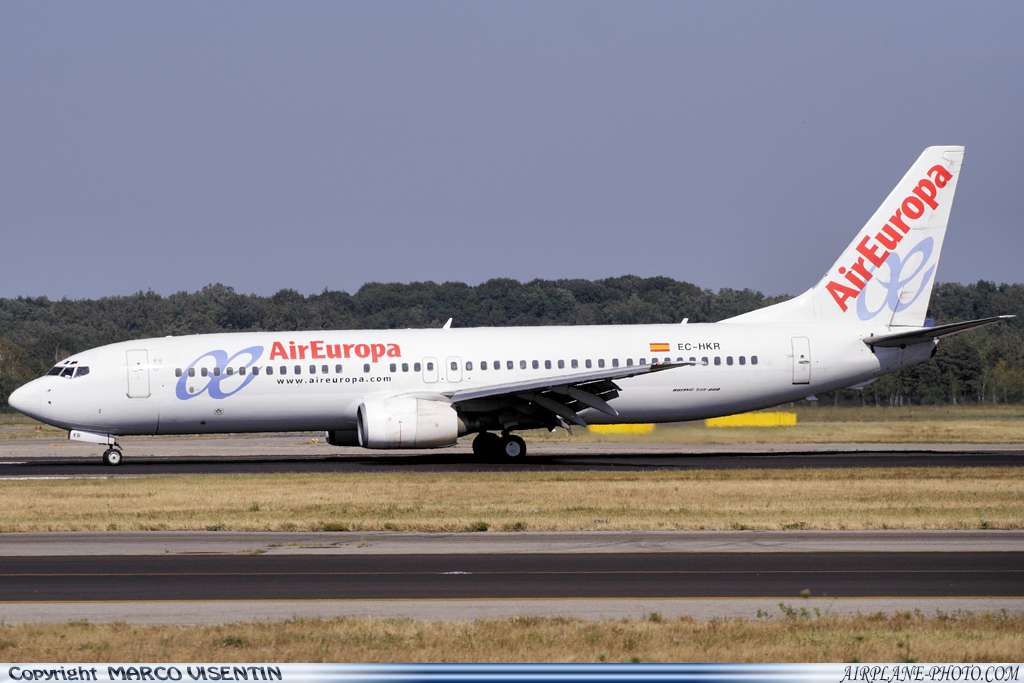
(928, 334)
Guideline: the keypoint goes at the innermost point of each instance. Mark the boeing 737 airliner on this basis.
(425, 388)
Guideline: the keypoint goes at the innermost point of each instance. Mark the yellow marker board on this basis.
(753, 420)
(622, 429)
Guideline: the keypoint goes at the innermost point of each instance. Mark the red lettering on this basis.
(291, 348)
(841, 293)
(334, 351)
(378, 351)
(913, 208)
(941, 177)
(889, 238)
(861, 270)
(394, 351)
(852, 278)
(348, 350)
(897, 220)
(277, 351)
(362, 350)
(302, 352)
(927, 192)
(316, 349)
(871, 254)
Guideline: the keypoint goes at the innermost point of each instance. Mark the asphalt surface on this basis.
(460, 461)
(512, 576)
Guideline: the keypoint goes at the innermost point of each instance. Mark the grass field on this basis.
(1000, 424)
(868, 498)
(786, 636)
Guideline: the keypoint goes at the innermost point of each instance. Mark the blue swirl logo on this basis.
(896, 282)
(187, 386)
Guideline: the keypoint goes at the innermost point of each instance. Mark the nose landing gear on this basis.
(112, 456)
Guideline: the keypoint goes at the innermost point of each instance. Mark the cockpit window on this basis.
(67, 372)
(82, 371)
(55, 370)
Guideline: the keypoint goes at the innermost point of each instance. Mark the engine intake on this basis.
(407, 423)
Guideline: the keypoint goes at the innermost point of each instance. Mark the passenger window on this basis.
(469, 365)
(600, 362)
(191, 372)
(204, 372)
(337, 369)
(483, 365)
(587, 363)
(405, 367)
(177, 372)
(547, 365)
(615, 362)
(704, 360)
(692, 359)
(718, 360)
(455, 366)
(416, 367)
(743, 360)
(241, 370)
(216, 372)
(284, 369)
(298, 369)
(82, 370)
(536, 365)
(256, 371)
(430, 366)
(393, 367)
(522, 365)
(230, 371)
(629, 361)
(561, 364)
(509, 365)
(366, 367)
(753, 360)
(643, 361)
(312, 369)
(728, 360)
(574, 363)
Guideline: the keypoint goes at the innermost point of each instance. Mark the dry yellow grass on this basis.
(878, 638)
(870, 498)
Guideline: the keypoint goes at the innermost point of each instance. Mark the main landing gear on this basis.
(507, 446)
(112, 456)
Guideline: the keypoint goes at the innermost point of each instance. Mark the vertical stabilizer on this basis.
(885, 276)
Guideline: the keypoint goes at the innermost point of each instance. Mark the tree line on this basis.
(982, 366)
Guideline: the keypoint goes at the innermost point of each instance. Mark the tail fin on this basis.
(885, 276)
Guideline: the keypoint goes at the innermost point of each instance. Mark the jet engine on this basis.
(407, 423)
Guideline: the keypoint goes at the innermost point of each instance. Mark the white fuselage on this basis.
(304, 381)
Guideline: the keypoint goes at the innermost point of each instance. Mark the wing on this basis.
(546, 402)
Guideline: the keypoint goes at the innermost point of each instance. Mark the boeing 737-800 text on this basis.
(425, 388)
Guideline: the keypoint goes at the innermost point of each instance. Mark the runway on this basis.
(295, 453)
(458, 576)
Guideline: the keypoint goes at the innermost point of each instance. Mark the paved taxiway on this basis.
(275, 453)
(219, 576)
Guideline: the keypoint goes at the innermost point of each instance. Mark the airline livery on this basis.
(426, 388)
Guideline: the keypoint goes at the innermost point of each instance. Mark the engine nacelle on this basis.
(407, 423)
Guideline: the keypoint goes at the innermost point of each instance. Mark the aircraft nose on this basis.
(25, 399)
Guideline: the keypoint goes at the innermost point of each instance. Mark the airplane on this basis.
(424, 388)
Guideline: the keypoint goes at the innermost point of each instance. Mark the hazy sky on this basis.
(169, 145)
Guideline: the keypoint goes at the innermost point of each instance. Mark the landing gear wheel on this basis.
(486, 445)
(112, 457)
(512, 446)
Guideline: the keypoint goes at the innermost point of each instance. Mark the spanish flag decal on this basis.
(659, 348)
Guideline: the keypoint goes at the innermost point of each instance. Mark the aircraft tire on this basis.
(112, 457)
(513, 447)
(486, 445)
